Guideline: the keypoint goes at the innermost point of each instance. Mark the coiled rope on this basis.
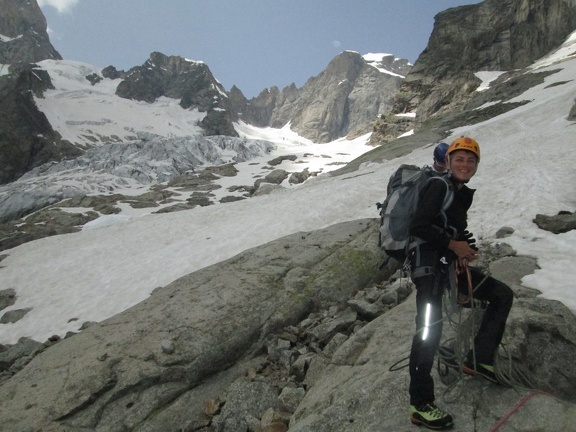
(465, 326)
(451, 354)
(465, 322)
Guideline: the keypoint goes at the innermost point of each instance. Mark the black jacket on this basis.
(428, 223)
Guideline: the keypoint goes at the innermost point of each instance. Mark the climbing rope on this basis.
(461, 267)
(465, 324)
(516, 408)
(464, 315)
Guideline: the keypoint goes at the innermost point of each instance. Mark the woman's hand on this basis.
(463, 250)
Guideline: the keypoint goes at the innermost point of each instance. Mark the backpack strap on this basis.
(447, 202)
(449, 197)
(413, 245)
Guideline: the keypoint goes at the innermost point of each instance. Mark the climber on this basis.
(429, 264)
(439, 158)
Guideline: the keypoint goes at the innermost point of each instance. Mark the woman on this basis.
(445, 240)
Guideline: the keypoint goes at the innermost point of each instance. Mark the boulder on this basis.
(562, 222)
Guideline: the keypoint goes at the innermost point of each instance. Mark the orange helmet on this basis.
(464, 143)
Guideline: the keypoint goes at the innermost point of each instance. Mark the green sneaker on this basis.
(431, 416)
(483, 370)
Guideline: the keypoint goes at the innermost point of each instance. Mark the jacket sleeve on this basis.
(427, 222)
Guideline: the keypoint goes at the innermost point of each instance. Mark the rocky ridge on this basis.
(27, 139)
(188, 81)
(24, 33)
(505, 36)
(342, 101)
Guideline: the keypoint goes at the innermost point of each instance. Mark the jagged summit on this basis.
(388, 63)
(343, 100)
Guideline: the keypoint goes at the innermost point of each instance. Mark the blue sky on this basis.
(253, 44)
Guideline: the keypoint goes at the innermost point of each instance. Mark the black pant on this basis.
(429, 291)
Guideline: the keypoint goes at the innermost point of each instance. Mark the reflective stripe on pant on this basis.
(429, 290)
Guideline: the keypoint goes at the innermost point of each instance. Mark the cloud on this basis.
(53, 35)
(62, 6)
(336, 44)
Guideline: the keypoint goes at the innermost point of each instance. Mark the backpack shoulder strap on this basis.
(449, 197)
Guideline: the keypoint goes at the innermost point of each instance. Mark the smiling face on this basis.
(463, 165)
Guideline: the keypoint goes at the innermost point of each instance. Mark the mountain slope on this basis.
(495, 35)
(92, 115)
(129, 146)
(117, 261)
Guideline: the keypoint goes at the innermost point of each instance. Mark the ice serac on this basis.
(152, 159)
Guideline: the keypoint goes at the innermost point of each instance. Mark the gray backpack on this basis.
(398, 208)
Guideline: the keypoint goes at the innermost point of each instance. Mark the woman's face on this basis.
(463, 165)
